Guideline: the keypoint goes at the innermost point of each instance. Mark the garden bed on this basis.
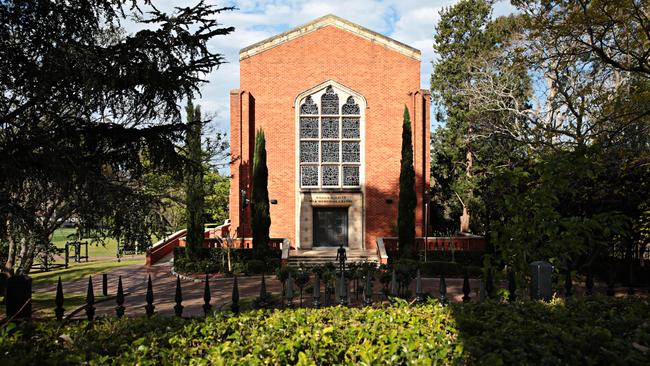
(576, 332)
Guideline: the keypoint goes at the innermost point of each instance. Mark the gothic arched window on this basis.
(330, 140)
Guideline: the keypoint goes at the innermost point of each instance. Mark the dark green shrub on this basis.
(215, 260)
(255, 266)
(596, 331)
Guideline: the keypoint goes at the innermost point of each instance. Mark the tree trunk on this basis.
(8, 267)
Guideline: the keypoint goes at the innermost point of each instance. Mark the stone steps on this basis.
(311, 258)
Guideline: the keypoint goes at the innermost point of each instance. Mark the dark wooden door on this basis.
(330, 227)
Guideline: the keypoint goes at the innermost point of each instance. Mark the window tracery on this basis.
(330, 140)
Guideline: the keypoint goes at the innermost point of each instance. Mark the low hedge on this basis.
(214, 260)
(599, 330)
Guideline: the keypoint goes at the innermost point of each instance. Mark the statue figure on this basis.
(341, 257)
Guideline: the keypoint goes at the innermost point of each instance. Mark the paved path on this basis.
(134, 280)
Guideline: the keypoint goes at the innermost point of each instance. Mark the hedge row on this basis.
(213, 260)
(579, 332)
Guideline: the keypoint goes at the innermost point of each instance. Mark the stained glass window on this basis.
(351, 152)
(308, 151)
(350, 106)
(330, 152)
(330, 101)
(330, 140)
(309, 175)
(330, 128)
(309, 107)
(308, 127)
(351, 128)
(351, 176)
(330, 175)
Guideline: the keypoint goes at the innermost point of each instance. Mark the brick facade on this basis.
(271, 78)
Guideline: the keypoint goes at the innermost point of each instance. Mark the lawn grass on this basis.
(83, 269)
(109, 249)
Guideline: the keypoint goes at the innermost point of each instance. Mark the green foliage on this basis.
(407, 197)
(260, 210)
(88, 111)
(596, 331)
(194, 189)
(217, 197)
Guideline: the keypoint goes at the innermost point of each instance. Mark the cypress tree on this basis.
(195, 195)
(407, 198)
(260, 215)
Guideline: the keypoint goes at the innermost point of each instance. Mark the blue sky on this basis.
(408, 21)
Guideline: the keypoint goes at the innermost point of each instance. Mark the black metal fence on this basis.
(18, 293)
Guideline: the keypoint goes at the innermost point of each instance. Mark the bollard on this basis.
(289, 293)
(316, 302)
(418, 288)
(393, 285)
(443, 290)
(343, 290)
(263, 303)
(541, 280)
(512, 286)
(367, 300)
(590, 282)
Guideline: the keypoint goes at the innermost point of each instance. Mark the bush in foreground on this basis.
(580, 332)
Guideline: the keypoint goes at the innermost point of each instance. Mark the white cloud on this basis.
(408, 21)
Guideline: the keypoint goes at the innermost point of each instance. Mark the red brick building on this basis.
(330, 97)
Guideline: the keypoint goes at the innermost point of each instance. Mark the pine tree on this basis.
(260, 215)
(195, 194)
(407, 198)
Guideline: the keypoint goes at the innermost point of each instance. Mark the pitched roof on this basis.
(329, 20)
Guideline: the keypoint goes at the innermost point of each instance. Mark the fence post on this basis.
(443, 290)
(367, 300)
(343, 290)
(289, 292)
(104, 284)
(610, 282)
(489, 284)
(393, 285)
(235, 296)
(119, 309)
(150, 306)
(207, 296)
(90, 300)
(568, 283)
(58, 301)
(631, 280)
(178, 298)
(67, 254)
(512, 286)
(418, 288)
(263, 294)
(466, 287)
(590, 282)
(316, 302)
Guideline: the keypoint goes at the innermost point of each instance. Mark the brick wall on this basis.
(269, 84)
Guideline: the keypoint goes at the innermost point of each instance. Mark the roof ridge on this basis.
(324, 21)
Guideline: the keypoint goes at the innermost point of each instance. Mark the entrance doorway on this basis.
(330, 227)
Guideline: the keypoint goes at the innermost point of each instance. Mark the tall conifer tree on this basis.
(260, 215)
(195, 194)
(407, 198)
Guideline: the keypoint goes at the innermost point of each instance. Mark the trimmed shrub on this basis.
(216, 260)
(596, 331)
